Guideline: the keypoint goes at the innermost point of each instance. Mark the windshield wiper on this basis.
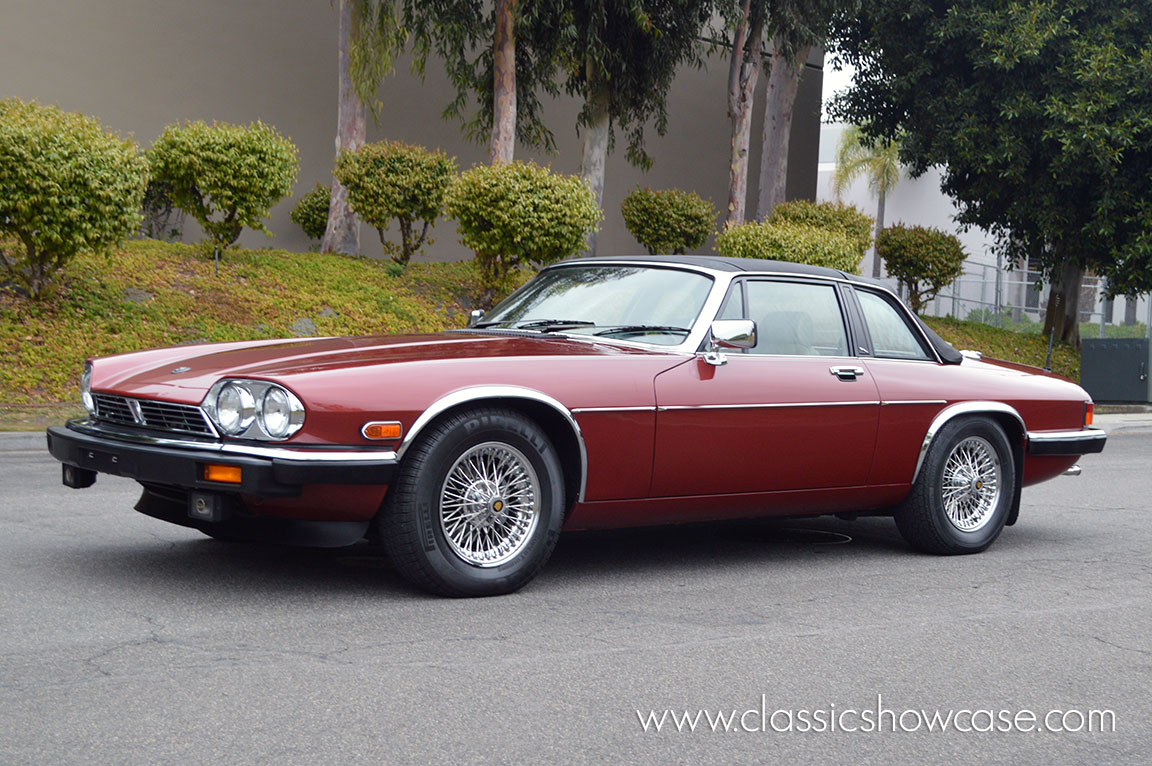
(638, 329)
(551, 325)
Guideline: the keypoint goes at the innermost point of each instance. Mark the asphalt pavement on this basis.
(124, 639)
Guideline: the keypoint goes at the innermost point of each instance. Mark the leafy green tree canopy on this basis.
(66, 187)
(1038, 111)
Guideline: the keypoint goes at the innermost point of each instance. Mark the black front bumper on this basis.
(275, 473)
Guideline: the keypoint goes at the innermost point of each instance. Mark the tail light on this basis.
(1089, 407)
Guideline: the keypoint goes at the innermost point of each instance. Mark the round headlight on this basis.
(86, 390)
(276, 412)
(235, 408)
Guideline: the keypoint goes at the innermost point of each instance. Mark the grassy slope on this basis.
(98, 310)
(1004, 344)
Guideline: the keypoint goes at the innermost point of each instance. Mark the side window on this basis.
(891, 335)
(794, 318)
(734, 303)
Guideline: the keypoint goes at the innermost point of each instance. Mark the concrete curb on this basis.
(23, 441)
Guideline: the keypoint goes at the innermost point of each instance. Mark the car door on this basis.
(797, 411)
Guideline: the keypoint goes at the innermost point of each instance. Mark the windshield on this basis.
(639, 303)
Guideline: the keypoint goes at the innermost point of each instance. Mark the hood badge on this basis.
(179, 370)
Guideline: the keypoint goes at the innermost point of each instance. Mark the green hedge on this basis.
(311, 212)
(836, 216)
(668, 221)
(785, 241)
(393, 181)
(924, 260)
(66, 187)
(225, 176)
(520, 213)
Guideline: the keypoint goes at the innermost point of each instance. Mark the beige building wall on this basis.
(139, 65)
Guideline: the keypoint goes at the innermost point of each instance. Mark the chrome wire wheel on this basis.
(489, 504)
(970, 489)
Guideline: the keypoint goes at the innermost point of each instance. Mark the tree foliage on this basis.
(225, 176)
(66, 187)
(668, 221)
(623, 55)
(834, 216)
(1038, 111)
(520, 213)
(459, 33)
(311, 211)
(924, 260)
(393, 181)
(786, 241)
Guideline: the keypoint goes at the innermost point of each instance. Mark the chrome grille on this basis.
(158, 416)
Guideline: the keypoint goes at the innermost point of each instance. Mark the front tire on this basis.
(477, 507)
(963, 494)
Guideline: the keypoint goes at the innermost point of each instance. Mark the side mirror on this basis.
(728, 333)
(475, 317)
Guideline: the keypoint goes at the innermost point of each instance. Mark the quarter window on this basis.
(891, 335)
(796, 319)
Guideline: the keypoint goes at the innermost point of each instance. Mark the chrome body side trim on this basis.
(583, 410)
(912, 402)
(956, 410)
(1076, 435)
(477, 393)
(768, 406)
(308, 455)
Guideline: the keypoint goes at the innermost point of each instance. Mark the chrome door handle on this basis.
(846, 373)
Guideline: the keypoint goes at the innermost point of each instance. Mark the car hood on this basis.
(185, 373)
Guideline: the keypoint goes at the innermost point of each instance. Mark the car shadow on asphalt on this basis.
(235, 571)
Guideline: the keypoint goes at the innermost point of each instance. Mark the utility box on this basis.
(1115, 369)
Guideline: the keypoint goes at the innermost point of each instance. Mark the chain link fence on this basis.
(1017, 300)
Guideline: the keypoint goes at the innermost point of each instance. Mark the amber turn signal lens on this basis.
(1088, 412)
(229, 474)
(377, 430)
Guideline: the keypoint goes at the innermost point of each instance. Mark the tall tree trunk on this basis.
(743, 71)
(876, 236)
(595, 153)
(1064, 304)
(504, 84)
(780, 100)
(343, 232)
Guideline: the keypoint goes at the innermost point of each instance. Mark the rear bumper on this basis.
(265, 471)
(1084, 441)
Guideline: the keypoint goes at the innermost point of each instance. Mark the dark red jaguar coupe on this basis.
(604, 393)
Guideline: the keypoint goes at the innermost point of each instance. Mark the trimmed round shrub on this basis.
(393, 181)
(785, 241)
(520, 213)
(924, 260)
(836, 216)
(225, 176)
(311, 212)
(67, 186)
(668, 221)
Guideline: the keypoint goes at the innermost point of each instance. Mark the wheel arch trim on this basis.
(478, 394)
(960, 409)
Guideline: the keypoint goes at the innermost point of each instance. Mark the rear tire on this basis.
(477, 506)
(964, 492)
